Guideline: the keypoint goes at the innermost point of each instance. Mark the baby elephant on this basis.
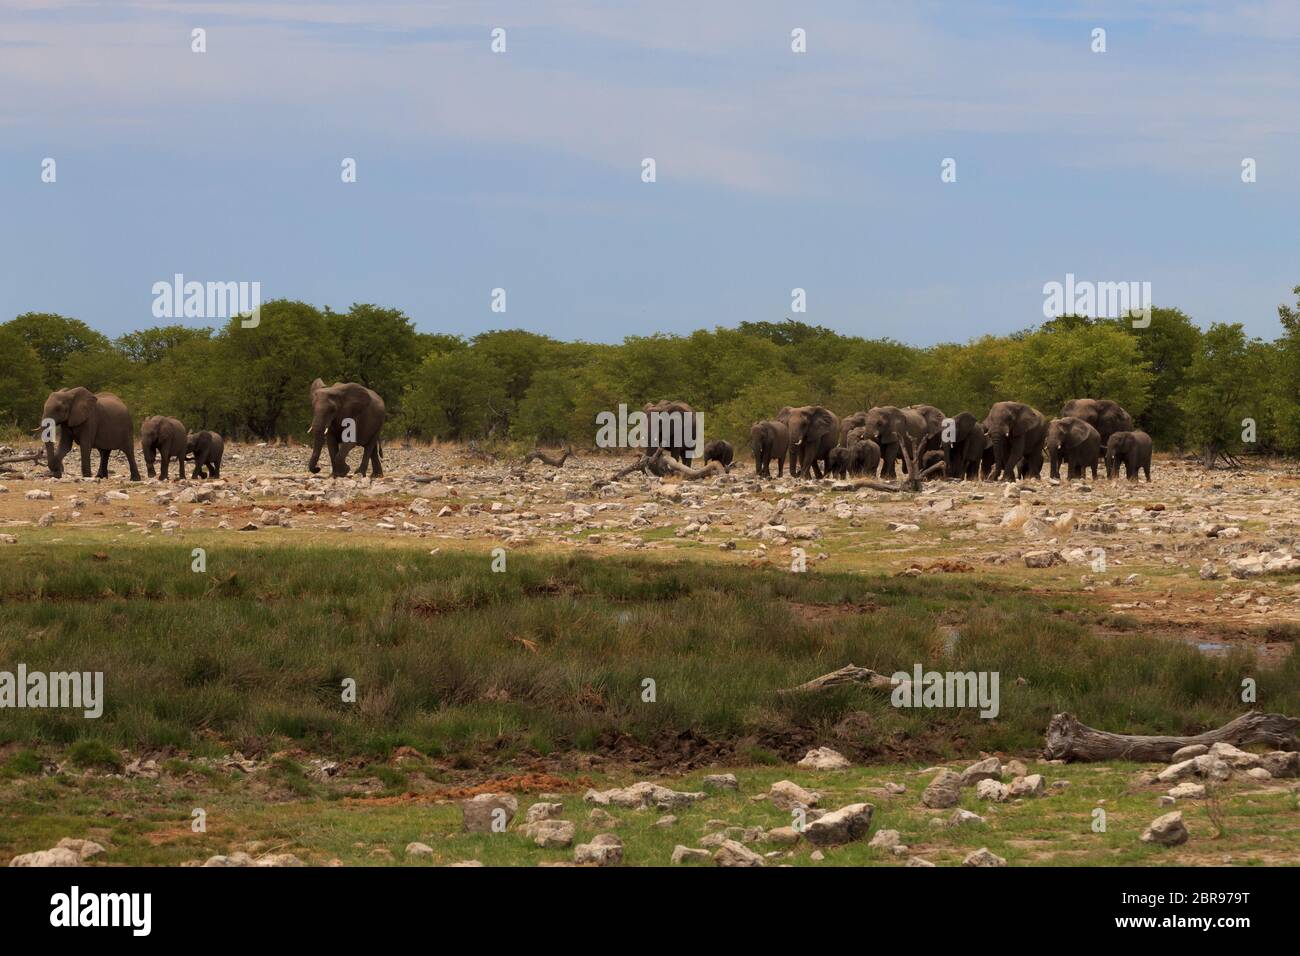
(864, 457)
(719, 451)
(1133, 450)
(206, 448)
(838, 462)
(165, 437)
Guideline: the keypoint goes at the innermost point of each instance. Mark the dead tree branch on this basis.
(848, 674)
(1067, 739)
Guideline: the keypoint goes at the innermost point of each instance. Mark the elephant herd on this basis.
(344, 416)
(1010, 443)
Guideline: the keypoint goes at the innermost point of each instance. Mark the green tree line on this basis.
(1189, 387)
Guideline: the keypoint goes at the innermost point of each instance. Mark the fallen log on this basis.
(665, 466)
(29, 456)
(1067, 739)
(538, 455)
(848, 674)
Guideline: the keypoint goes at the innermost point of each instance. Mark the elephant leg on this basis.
(103, 464)
(338, 457)
(148, 461)
(166, 465)
(86, 452)
(1015, 455)
(376, 465)
(129, 451)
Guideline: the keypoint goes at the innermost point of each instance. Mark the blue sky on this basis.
(775, 170)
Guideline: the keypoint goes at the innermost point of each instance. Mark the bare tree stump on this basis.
(848, 674)
(1067, 739)
(916, 475)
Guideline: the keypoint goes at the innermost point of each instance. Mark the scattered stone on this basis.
(786, 795)
(731, 853)
(1029, 786)
(943, 792)
(58, 856)
(884, 839)
(605, 849)
(840, 826)
(989, 768)
(1167, 830)
(823, 758)
(643, 796)
(552, 834)
(419, 850)
(489, 812)
(720, 781)
(983, 857)
(686, 854)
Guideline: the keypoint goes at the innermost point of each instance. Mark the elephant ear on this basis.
(82, 407)
(316, 385)
(784, 414)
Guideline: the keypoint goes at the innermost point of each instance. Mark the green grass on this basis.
(455, 660)
(148, 822)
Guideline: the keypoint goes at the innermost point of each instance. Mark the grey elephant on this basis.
(206, 449)
(888, 426)
(346, 415)
(838, 462)
(719, 451)
(769, 441)
(934, 420)
(1132, 449)
(672, 429)
(165, 437)
(964, 448)
(1101, 413)
(864, 457)
(1074, 441)
(814, 431)
(95, 422)
(1017, 432)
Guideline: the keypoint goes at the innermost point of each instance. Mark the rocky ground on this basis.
(1195, 555)
(1217, 805)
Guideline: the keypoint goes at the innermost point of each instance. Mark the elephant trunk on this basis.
(54, 456)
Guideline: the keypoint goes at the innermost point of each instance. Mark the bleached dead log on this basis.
(664, 465)
(848, 674)
(538, 455)
(1067, 739)
(28, 456)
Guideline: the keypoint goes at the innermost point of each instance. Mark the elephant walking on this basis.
(768, 441)
(165, 437)
(346, 415)
(95, 422)
(1101, 413)
(963, 440)
(1075, 441)
(814, 431)
(719, 451)
(206, 449)
(1017, 432)
(1133, 450)
(934, 419)
(889, 426)
(671, 427)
